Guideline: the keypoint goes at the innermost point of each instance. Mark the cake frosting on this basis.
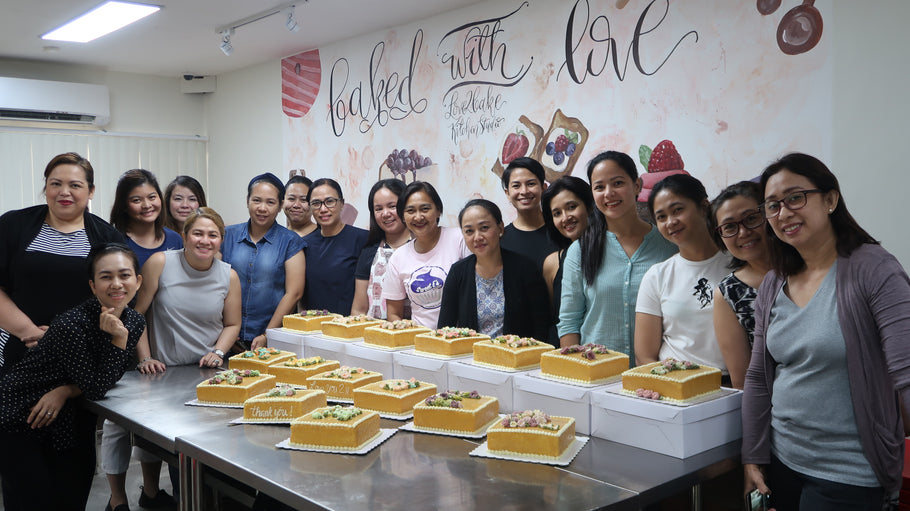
(259, 359)
(233, 386)
(340, 383)
(448, 341)
(588, 363)
(393, 334)
(336, 428)
(531, 433)
(295, 371)
(282, 404)
(455, 412)
(395, 397)
(307, 321)
(349, 327)
(671, 380)
(510, 352)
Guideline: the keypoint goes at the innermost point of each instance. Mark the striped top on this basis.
(52, 241)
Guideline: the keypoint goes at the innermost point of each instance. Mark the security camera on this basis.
(188, 77)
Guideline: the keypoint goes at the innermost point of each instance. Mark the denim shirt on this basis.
(260, 267)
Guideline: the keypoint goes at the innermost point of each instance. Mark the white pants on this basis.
(115, 450)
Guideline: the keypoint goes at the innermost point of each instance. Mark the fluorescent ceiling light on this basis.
(101, 21)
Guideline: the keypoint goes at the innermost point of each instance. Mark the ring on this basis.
(49, 414)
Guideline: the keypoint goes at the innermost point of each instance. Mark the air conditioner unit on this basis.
(39, 100)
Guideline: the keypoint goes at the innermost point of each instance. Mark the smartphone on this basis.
(757, 501)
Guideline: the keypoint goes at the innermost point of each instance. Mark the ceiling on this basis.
(181, 37)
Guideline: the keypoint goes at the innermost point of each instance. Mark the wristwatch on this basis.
(218, 352)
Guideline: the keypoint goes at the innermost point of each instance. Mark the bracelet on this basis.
(143, 361)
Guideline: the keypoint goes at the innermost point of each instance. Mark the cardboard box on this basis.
(554, 398)
(286, 340)
(678, 431)
(373, 359)
(465, 376)
(317, 345)
(430, 370)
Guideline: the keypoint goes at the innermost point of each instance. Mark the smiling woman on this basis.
(137, 213)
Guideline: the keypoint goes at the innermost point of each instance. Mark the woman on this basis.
(417, 271)
(182, 196)
(387, 233)
(673, 315)
(296, 208)
(43, 251)
(47, 439)
(494, 291)
(193, 305)
(269, 260)
(331, 251)
(833, 314)
(603, 271)
(739, 223)
(137, 214)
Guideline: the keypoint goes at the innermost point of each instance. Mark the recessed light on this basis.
(100, 21)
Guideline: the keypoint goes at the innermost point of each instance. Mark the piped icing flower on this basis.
(671, 364)
(338, 412)
(514, 341)
(261, 353)
(282, 391)
(588, 351)
(451, 332)
(401, 324)
(349, 320)
(399, 385)
(232, 376)
(648, 394)
(346, 373)
(528, 419)
(315, 313)
(303, 362)
(450, 398)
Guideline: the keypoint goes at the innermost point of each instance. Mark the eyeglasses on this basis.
(794, 201)
(750, 221)
(330, 203)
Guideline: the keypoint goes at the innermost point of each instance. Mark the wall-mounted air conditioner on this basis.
(38, 100)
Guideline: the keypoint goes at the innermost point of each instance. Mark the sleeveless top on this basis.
(186, 314)
(741, 297)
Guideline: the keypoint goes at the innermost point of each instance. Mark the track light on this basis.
(226, 47)
(287, 11)
(290, 21)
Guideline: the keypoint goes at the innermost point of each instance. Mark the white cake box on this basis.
(317, 345)
(286, 340)
(678, 431)
(430, 370)
(554, 398)
(381, 361)
(465, 376)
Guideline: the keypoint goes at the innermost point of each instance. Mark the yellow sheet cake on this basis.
(510, 352)
(448, 341)
(335, 427)
(590, 363)
(295, 371)
(349, 327)
(531, 433)
(340, 383)
(395, 397)
(307, 321)
(233, 387)
(259, 359)
(456, 412)
(393, 334)
(671, 380)
(282, 404)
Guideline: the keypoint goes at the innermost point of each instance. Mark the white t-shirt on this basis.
(420, 277)
(681, 292)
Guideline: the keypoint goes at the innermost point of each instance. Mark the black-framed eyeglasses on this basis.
(794, 201)
(750, 221)
(330, 203)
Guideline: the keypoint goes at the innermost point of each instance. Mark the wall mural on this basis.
(453, 99)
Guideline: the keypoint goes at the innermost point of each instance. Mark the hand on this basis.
(210, 360)
(755, 479)
(48, 407)
(32, 340)
(111, 324)
(259, 341)
(152, 366)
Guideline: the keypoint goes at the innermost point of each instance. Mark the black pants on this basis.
(791, 490)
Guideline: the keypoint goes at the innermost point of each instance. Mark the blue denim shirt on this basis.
(260, 267)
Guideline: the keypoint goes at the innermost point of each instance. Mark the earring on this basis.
(830, 210)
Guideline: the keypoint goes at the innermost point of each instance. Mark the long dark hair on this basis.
(189, 183)
(594, 240)
(748, 189)
(395, 186)
(131, 179)
(574, 185)
(785, 259)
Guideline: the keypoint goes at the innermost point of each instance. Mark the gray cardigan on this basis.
(873, 308)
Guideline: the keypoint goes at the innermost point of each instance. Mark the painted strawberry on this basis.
(661, 162)
(516, 146)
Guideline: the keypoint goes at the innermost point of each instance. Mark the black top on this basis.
(74, 350)
(557, 296)
(330, 266)
(527, 310)
(365, 262)
(535, 245)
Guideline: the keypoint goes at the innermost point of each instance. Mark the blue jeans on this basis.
(791, 490)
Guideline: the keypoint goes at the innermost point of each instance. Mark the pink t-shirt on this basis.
(420, 277)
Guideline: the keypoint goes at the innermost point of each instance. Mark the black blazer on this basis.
(527, 307)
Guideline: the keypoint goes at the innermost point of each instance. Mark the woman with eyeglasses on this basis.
(740, 228)
(332, 251)
(296, 208)
(829, 374)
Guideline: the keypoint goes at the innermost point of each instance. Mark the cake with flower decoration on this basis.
(671, 380)
(340, 383)
(259, 359)
(233, 387)
(448, 341)
(588, 363)
(510, 352)
(345, 428)
(349, 327)
(282, 404)
(394, 397)
(295, 371)
(308, 321)
(455, 412)
(531, 433)
(393, 334)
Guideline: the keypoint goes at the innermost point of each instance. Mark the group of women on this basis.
(726, 283)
